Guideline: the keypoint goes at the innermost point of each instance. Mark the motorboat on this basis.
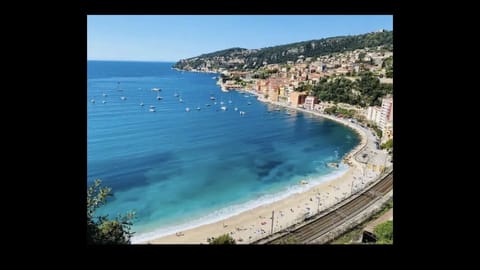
(332, 165)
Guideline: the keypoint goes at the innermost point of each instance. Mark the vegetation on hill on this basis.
(365, 91)
(100, 229)
(239, 58)
(388, 65)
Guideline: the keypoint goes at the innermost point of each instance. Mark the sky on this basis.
(175, 37)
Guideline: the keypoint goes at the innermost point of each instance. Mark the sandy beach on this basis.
(256, 223)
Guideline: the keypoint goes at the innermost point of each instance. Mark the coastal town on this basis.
(290, 84)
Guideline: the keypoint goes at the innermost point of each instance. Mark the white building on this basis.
(373, 114)
(310, 102)
(386, 115)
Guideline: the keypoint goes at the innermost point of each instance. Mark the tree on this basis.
(331, 110)
(101, 230)
(387, 145)
(384, 232)
(224, 239)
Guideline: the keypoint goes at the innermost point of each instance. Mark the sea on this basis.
(178, 169)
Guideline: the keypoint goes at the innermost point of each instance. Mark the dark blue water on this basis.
(176, 168)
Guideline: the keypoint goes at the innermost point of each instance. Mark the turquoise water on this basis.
(178, 169)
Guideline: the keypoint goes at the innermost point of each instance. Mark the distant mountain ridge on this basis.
(240, 58)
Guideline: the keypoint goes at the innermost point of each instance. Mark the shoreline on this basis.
(256, 223)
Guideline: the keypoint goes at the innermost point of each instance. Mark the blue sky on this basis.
(172, 37)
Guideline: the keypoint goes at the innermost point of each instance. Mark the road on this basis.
(335, 218)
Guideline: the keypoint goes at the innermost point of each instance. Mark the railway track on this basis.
(333, 219)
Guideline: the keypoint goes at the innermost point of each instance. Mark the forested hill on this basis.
(239, 58)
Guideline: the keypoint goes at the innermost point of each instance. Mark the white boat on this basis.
(123, 98)
(141, 104)
(221, 103)
(249, 103)
(181, 100)
(223, 108)
(156, 89)
(159, 97)
(198, 108)
(236, 109)
(176, 94)
(152, 107)
(242, 113)
(332, 165)
(104, 94)
(187, 109)
(92, 100)
(103, 101)
(212, 98)
(152, 110)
